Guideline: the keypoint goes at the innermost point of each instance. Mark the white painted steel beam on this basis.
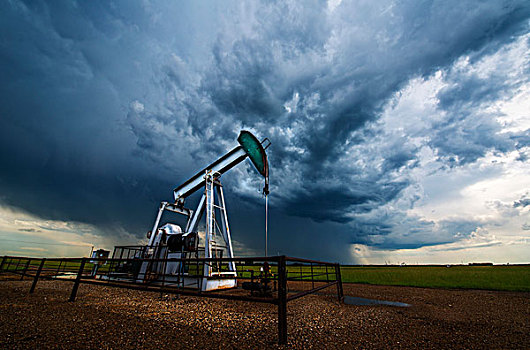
(220, 166)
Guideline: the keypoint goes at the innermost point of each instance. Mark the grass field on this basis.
(509, 278)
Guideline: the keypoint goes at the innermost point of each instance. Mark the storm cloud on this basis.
(106, 107)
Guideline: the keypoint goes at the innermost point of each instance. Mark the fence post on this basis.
(3, 262)
(25, 270)
(37, 275)
(282, 301)
(77, 280)
(16, 267)
(312, 278)
(340, 291)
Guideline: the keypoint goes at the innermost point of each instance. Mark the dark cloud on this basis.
(397, 231)
(107, 107)
(523, 202)
(481, 245)
(29, 230)
(330, 204)
(468, 133)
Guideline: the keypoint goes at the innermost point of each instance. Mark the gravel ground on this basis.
(110, 318)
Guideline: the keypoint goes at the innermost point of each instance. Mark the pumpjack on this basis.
(171, 241)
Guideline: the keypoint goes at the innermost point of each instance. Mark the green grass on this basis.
(508, 278)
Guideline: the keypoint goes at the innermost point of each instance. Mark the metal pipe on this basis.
(266, 222)
(37, 275)
(282, 302)
(340, 291)
(77, 280)
(304, 293)
(25, 270)
(3, 261)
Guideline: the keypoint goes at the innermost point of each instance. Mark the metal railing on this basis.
(274, 280)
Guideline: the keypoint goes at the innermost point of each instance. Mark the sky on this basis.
(400, 130)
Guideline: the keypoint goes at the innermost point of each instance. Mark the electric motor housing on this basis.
(182, 242)
(174, 243)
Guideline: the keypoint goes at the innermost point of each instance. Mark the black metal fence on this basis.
(274, 280)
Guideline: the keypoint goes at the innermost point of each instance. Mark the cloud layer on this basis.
(107, 107)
